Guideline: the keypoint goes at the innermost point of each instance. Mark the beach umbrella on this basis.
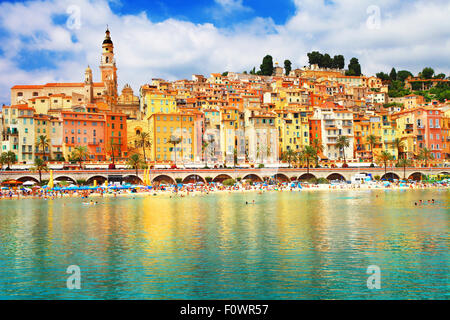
(29, 183)
(95, 184)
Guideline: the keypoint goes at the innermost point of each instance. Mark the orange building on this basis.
(116, 135)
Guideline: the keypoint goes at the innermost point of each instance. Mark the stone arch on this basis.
(100, 180)
(253, 178)
(65, 178)
(336, 176)
(132, 179)
(164, 179)
(444, 173)
(416, 176)
(221, 178)
(306, 177)
(280, 177)
(193, 178)
(390, 176)
(28, 178)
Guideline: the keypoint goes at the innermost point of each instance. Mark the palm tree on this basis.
(39, 166)
(80, 154)
(143, 141)
(371, 139)
(384, 157)
(8, 158)
(135, 162)
(425, 154)
(318, 146)
(404, 163)
(112, 149)
(342, 143)
(174, 141)
(399, 146)
(289, 156)
(44, 143)
(205, 145)
(308, 153)
(211, 146)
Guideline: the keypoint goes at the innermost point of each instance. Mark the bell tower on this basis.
(108, 69)
(88, 86)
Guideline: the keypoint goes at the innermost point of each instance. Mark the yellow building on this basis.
(293, 130)
(164, 126)
(156, 101)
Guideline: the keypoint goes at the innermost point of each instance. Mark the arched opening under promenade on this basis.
(252, 178)
(193, 178)
(100, 180)
(163, 179)
(28, 178)
(390, 176)
(279, 177)
(306, 177)
(221, 178)
(336, 176)
(416, 176)
(65, 179)
(132, 179)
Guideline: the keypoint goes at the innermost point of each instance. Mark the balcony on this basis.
(409, 126)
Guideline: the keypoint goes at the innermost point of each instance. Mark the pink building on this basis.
(86, 129)
(429, 133)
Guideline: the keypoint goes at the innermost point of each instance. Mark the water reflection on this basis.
(287, 245)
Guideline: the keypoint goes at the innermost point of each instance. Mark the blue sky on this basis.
(54, 40)
(199, 11)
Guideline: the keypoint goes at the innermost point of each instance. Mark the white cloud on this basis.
(232, 5)
(411, 35)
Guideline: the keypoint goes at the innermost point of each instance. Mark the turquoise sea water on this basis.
(288, 245)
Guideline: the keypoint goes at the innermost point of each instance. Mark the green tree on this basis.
(338, 62)
(402, 75)
(425, 155)
(308, 154)
(315, 57)
(342, 143)
(224, 74)
(173, 140)
(136, 162)
(399, 145)
(384, 157)
(427, 73)
(318, 147)
(267, 66)
(393, 74)
(372, 140)
(39, 166)
(287, 67)
(8, 158)
(143, 141)
(440, 76)
(44, 143)
(383, 76)
(289, 156)
(327, 61)
(79, 154)
(404, 163)
(354, 68)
